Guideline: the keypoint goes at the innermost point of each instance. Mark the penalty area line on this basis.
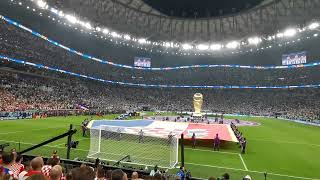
(205, 150)
(252, 171)
(244, 164)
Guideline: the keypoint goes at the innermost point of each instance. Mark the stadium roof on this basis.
(151, 20)
(201, 8)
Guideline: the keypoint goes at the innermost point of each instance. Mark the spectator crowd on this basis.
(21, 92)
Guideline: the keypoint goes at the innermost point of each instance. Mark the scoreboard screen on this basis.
(294, 58)
(142, 62)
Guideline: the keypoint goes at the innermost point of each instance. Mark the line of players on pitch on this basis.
(217, 142)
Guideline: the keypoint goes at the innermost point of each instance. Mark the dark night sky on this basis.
(204, 8)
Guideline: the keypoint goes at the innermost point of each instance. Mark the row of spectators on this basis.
(13, 167)
(19, 92)
(20, 44)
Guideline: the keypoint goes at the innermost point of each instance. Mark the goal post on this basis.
(141, 146)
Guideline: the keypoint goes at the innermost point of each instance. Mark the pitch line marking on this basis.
(236, 169)
(14, 132)
(244, 164)
(288, 142)
(205, 150)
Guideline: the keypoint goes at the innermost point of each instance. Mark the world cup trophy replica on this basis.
(197, 104)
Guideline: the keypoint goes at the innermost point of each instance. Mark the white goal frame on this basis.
(113, 143)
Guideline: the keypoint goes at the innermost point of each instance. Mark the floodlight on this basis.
(87, 25)
(61, 14)
(42, 4)
(254, 40)
(53, 10)
(142, 41)
(115, 34)
(105, 31)
(279, 35)
(98, 29)
(232, 45)
(127, 37)
(215, 47)
(71, 18)
(186, 46)
(168, 44)
(315, 35)
(203, 47)
(290, 32)
(314, 25)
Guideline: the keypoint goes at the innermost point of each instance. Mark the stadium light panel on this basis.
(202, 47)
(71, 19)
(186, 46)
(98, 29)
(279, 35)
(254, 40)
(215, 47)
(105, 31)
(127, 37)
(232, 45)
(53, 10)
(114, 34)
(42, 4)
(88, 26)
(61, 14)
(168, 44)
(290, 32)
(314, 25)
(142, 41)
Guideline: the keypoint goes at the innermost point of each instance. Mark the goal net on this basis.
(134, 146)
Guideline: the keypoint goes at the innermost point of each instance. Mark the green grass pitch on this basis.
(285, 150)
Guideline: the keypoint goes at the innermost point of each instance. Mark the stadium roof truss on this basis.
(140, 19)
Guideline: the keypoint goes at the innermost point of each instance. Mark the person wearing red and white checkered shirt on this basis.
(16, 167)
(50, 163)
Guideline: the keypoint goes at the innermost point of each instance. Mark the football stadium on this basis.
(159, 89)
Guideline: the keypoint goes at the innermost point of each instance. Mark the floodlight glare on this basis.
(254, 40)
(88, 26)
(215, 47)
(167, 44)
(314, 25)
(142, 41)
(61, 14)
(42, 4)
(203, 47)
(71, 19)
(279, 35)
(232, 45)
(98, 29)
(114, 34)
(290, 32)
(127, 37)
(105, 31)
(186, 46)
